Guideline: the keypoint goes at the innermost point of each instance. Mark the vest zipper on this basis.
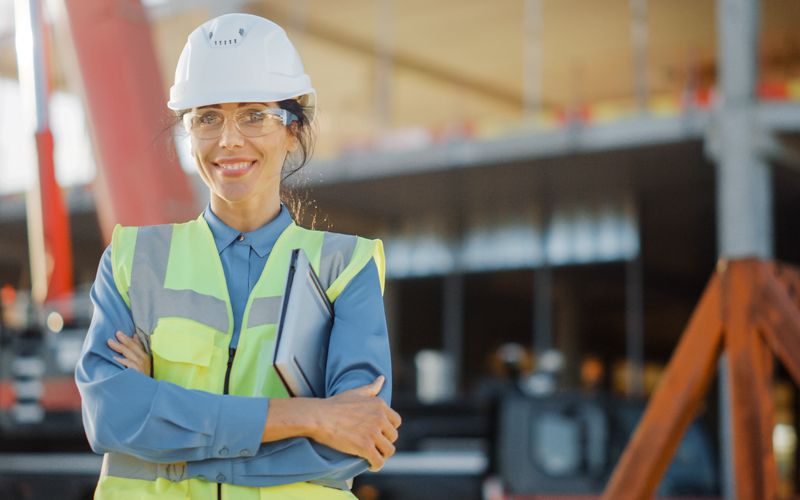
(231, 354)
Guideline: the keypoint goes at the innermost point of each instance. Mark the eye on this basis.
(208, 118)
(254, 116)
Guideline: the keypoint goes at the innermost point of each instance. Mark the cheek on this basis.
(200, 151)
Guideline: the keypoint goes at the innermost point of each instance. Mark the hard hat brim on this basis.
(308, 100)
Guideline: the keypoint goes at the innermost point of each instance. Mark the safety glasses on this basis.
(251, 121)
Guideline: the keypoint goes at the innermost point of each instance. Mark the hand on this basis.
(134, 354)
(359, 423)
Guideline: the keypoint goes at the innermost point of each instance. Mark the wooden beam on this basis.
(764, 362)
(674, 404)
(745, 379)
(778, 319)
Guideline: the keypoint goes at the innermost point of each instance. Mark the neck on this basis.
(245, 216)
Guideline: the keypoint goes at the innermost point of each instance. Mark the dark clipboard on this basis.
(304, 330)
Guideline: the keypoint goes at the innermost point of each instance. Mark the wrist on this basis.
(291, 417)
(310, 423)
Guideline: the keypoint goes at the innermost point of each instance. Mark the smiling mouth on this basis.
(238, 168)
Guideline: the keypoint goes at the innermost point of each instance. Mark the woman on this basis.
(175, 375)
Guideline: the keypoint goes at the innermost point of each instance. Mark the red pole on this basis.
(48, 222)
(57, 241)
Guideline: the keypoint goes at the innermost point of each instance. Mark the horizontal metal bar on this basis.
(50, 463)
(456, 463)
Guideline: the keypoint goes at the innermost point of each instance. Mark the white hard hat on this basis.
(240, 58)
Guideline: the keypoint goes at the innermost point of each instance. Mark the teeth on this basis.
(235, 166)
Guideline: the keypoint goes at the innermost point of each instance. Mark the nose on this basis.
(231, 137)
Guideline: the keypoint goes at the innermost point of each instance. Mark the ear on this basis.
(294, 142)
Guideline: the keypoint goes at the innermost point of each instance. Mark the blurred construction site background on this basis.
(552, 181)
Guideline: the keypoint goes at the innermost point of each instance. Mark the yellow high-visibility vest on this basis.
(172, 279)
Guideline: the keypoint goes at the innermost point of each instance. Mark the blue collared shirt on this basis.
(219, 435)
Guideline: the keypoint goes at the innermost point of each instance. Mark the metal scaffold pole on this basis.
(744, 193)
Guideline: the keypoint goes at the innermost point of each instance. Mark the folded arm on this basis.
(128, 412)
(125, 411)
(357, 354)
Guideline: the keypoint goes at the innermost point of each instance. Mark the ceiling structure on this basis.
(460, 64)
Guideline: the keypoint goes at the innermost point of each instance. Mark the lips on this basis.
(234, 166)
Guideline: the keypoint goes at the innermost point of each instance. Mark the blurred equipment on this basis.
(567, 445)
(435, 380)
(751, 311)
(229, 58)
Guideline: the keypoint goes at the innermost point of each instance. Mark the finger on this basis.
(390, 432)
(122, 349)
(116, 346)
(371, 389)
(377, 385)
(133, 345)
(375, 459)
(128, 363)
(394, 417)
(384, 447)
(129, 341)
(141, 343)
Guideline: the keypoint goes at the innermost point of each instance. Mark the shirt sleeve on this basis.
(358, 353)
(128, 412)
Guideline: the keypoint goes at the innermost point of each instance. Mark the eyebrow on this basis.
(218, 106)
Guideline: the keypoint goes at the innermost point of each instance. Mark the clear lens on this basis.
(208, 123)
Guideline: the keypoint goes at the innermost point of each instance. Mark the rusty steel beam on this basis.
(674, 404)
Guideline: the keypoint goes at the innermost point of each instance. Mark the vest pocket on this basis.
(118, 488)
(185, 352)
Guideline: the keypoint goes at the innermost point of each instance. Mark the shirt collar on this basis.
(261, 240)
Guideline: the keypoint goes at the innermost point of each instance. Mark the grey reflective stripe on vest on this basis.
(264, 311)
(150, 300)
(337, 249)
(120, 465)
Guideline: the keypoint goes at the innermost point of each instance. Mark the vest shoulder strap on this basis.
(343, 256)
(123, 246)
